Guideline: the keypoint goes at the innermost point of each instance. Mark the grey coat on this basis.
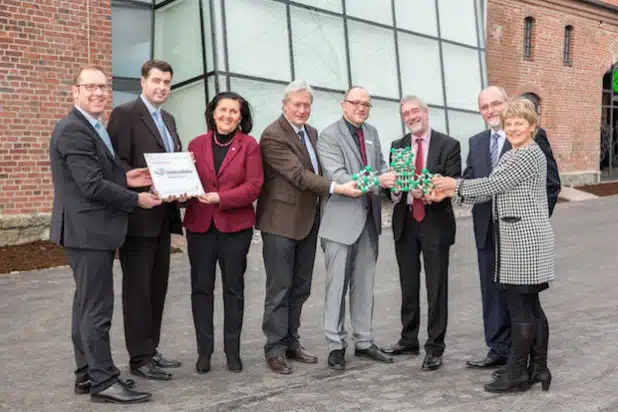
(525, 242)
(344, 218)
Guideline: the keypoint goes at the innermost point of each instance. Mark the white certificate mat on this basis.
(174, 174)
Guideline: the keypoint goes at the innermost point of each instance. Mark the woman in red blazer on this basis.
(220, 223)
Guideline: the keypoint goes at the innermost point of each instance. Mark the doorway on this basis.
(608, 159)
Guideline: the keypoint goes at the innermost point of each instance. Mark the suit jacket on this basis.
(288, 205)
(478, 165)
(443, 157)
(91, 199)
(525, 241)
(133, 133)
(238, 183)
(343, 218)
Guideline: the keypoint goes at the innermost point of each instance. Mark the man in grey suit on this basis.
(350, 228)
(89, 219)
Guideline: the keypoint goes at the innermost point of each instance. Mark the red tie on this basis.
(418, 207)
(361, 144)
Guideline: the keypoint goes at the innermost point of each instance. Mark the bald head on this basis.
(492, 102)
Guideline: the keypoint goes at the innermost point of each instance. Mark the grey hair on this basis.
(296, 86)
(413, 98)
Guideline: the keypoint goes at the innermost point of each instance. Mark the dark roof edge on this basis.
(601, 4)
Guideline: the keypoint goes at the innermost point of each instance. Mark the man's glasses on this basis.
(91, 87)
(354, 103)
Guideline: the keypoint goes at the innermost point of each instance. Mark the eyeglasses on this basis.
(366, 105)
(93, 87)
(494, 105)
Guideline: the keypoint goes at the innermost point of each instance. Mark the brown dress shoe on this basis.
(299, 354)
(279, 364)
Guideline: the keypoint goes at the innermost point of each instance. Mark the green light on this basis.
(615, 81)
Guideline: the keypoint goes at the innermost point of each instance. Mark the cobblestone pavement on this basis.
(37, 361)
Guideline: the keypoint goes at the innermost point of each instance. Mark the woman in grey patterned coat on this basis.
(524, 243)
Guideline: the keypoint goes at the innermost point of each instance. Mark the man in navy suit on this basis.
(485, 150)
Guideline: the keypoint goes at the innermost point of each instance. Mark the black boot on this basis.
(516, 377)
(538, 370)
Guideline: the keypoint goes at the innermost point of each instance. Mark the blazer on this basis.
(478, 165)
(91, 200)
(238, 183)
(525, 240)
(133, 133)
(288, 205)
(443, 157)
(343, 218)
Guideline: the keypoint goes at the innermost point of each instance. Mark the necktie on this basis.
(363, 151)
(167, 141)
(418, 207)
(493, 151)
(105, 137)
(309, 147)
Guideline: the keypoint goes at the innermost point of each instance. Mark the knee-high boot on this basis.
(538, 370)
(515, 378)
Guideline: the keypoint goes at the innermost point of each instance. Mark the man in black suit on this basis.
(89, 219)
(139, 127)
(485, 150)
(419, 226)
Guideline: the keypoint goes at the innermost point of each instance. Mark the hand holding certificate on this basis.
(174, 175)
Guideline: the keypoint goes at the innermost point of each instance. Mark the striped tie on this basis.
(493, 151)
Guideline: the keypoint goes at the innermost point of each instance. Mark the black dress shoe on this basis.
(151, 371)
(234, 364)
(486, 363)
(118, 393)
(336, 359)
(82, 386)
(431, 362)
(203, 364)
(161, 362)
(374, 353)
(399, 349)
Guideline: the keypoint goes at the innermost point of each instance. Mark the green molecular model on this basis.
(366, 179)
(424, 181)
(402, 163)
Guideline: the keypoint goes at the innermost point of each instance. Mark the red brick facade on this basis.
(41, 43)
(570, 94)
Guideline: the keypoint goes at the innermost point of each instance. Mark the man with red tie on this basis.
(419, 226)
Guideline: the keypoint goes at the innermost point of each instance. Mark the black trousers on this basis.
(417, 238)
(230, 251)
(496, 318)
(289, 270)
(524, 307)
(145, 265)
(93, 307)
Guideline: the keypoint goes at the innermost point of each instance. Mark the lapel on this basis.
(484, 148)
(149, 122)
(209, 157)
(168, 123)
(435, 146)
(291, 135)
(232, 151)
(313, 137)
(97, 139)
(347, 139)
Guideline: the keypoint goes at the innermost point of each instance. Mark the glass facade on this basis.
(430, 48)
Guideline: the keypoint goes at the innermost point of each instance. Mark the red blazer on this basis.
(238, 183)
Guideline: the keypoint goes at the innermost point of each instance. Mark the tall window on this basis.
(568, 40)
(528, 24)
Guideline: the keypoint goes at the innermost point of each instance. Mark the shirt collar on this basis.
(353, 129)
(92, 120)
(500, 132)
(296, 128)
(425, 137)
(151, 109)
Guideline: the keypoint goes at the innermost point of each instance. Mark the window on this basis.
(528, 24)
(568, 39)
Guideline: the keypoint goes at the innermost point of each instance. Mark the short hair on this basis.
(520, 107)
(413, 98)
(77, 74)
(162, 65)
(345, 96)
(297, 86)
(500, 89)
(246, 119)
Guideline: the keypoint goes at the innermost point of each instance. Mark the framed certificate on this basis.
(174, 174)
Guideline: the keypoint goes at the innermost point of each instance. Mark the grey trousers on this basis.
(350, 266)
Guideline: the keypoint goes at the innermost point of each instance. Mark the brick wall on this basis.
(41, 43)
(570, 95)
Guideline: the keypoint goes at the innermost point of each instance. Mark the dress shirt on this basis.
(157, 117)
(310, 149)
(501, 140)
(99, 128)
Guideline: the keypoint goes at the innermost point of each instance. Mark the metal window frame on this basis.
(566, 55)
(216, 71)
(528, 24)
